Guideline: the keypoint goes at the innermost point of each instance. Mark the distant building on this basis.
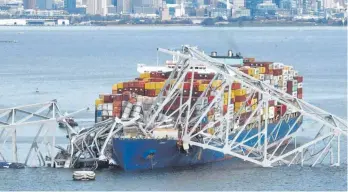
(164, 12)
(97, 7)
(219, 12)
(112, 9)
(29, 4)
(201, 12)
(240, 12)
(124, 6)
(44, 4)
(69, 4)
(238, 3)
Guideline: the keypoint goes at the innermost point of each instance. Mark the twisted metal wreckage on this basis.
(94, 144)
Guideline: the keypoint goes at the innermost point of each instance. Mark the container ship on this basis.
(135, 150)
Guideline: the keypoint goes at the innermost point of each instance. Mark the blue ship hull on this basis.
(141, 154)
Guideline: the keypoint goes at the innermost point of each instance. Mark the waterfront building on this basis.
(29, 4)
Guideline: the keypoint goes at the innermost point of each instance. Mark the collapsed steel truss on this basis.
(230, 136)
(40, 117)
(264, 153)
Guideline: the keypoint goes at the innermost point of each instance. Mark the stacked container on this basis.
(129, 98)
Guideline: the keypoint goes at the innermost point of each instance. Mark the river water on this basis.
(75, 64)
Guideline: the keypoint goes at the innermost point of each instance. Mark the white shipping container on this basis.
(262, 77)
(285, 72)
(268, 77)
(105, 106)
(257, 71)
(110, 106)
(271, 112)
(291, 68)
(285, 77)
(291, 72)
(294, 82)
(275, 65)
(275, 78)
(295, 73)
(284, 89)
(291, 77)
(294, 94)
(285, 83)
(299, 85)
(281, 66)
(109, 113)
(280, 77)
(140, 98)
(105, 113)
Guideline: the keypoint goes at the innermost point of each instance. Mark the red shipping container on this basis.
(117, 109)
(240, 98)
(131, 84)
(299, 79)
(118, 97)
(283, 109)
(107, 99)
(271, 103)
(117, 104)
(152, 93)
(244, 71)
(236, 86)
(125, 85)
(289, 85)
(210, 99)
(299, 95)
(299, 91)
(277, 72)
(187, 85)
(225, 109)
(210, 76)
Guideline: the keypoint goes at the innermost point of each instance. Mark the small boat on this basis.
(4, 164)
(83, 175)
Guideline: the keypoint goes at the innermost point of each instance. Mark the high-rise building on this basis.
(29, 4)
(124, 6)
(69, 4)
(44, 4)
(238, 3)
(97, 7)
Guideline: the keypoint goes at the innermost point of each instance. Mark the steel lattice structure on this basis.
(40, 117)
(263, 153)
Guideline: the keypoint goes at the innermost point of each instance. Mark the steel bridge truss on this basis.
(27, 119)
(234, 136)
